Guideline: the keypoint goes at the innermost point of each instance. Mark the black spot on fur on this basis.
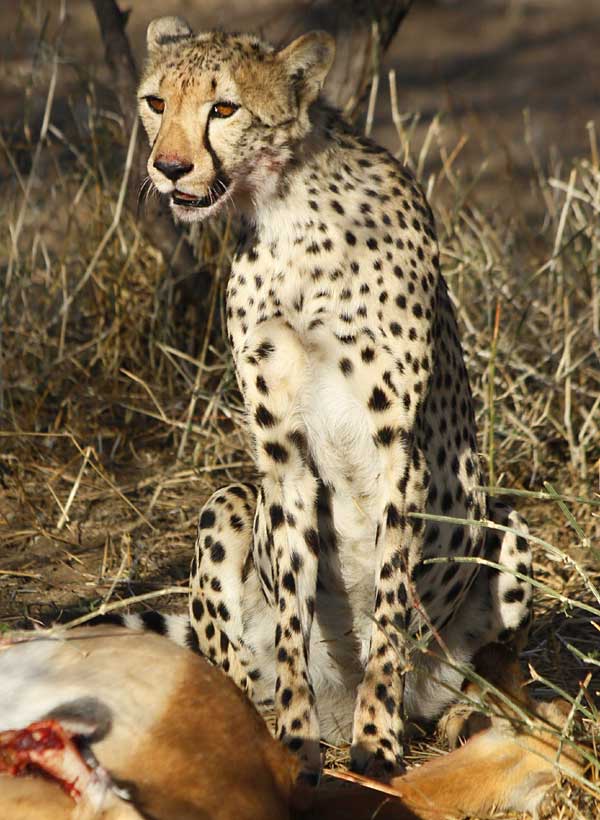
(264, 349)
(217, 552)
(207, 520)
(289, 583)
(261, 385)
(264, 417)
(393, 516)
(446, 502)
(191, 639)
(379, 400)
(384, 436)
(367, 354)
(240, 492)
(276, 515)
(155, 622)
(311, 537)
(512, 596)
(236, 523)
(275, 450)
(346, 366)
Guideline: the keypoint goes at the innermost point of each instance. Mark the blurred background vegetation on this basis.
(119, 411)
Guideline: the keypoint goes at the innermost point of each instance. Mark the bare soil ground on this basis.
(119, 412)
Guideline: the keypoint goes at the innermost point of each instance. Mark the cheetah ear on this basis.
(307, 61)
(165, 30)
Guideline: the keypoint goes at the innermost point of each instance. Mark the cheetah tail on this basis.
(176, 628)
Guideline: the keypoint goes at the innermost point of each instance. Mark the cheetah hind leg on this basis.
(220, 568)
(505, 611)
(497, 609)
(510, 596)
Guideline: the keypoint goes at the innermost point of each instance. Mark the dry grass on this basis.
(120, 413)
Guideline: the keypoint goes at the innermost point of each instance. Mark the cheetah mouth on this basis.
(215, 193)
(191, 201)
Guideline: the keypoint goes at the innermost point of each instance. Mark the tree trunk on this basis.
(363, 30)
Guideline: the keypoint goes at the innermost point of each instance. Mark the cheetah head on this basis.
(223, 113)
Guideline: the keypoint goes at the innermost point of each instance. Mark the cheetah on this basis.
(316, 591)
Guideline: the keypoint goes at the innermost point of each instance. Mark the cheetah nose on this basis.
(173, 169)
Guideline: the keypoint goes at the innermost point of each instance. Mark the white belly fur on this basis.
(340, 439)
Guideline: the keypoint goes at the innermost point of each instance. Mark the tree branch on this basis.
(363, 29)
(117, 52)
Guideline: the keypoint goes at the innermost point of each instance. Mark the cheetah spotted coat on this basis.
(317, 591)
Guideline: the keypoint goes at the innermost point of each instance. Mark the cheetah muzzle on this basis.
(316, 591)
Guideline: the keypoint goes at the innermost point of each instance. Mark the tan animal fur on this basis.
(166, 706)
(193, 747)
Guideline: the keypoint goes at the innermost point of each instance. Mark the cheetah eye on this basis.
(223, 109)
(156, 104)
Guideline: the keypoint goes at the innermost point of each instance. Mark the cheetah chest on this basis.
(332, 412)
(310, 337)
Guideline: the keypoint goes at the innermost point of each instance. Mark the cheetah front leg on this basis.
(273, 370)
(378, 718)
